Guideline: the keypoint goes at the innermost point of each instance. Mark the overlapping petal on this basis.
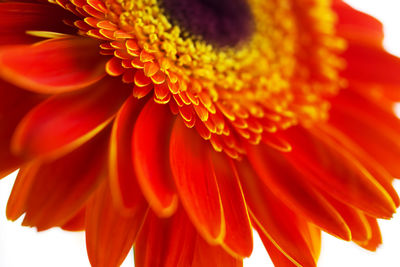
(19, 17)
(284, 180)
(109, 233)
(195, 178)
(238, 238)
(381, 140)
(53, 66)
(333, 169)
(80, 116)
(14, 104)
(123, 183)
(152, 181)
(51, 193)
(166, 242)
(150, 143)
(274, 220)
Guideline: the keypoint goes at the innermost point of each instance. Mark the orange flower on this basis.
(226, 116)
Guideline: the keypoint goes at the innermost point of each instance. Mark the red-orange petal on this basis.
(64, 122)
(380, 174)
(333, 169)
(196, 183)
(371, 64)
(50, 202)
(76, 223)
(53, 66)
(367, 62)
(292, 187)
(354, 218)
(18, 17)
(376, 238)
(14, 104)
(150, 145)
(238, 240)
(275, 219)
(357, 26)
(110, 234)
(277, 257)
(209, 255)
(372, 127)
(165, 242)
(16, 205)
(123, 183)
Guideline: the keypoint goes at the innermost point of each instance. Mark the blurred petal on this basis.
(291, 186)
(357, 26)
(333, 169)
(274, 219)
(52, 192)
(165, 242)
(355, 220)
(370, 65)
(80, 116)
(14, 104)
(374, 168)
(53, 66)
(76, 223)
(110, 234)
(374, 129)
(208, 255)
(376, 239)
(18, 17)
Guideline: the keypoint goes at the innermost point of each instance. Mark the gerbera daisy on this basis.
(178, 126)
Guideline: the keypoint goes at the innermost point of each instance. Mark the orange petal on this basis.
(313, 237)
(53, 66)
(110, 234)
(150, 148)
(333, 169)
(374, 168)
(367, 61)
(50, 202)
(209, 255)
(16, 205)
(124, 187)
(355, 219)
(165, 242)
(238, 239)
(64, 122)
(374, 129)
(292, 187)
(277, 257)
(76, 223)
(371, 64)
(376, 239)
(195, 182)
(357, 26)
(275, 220)
(14, 104)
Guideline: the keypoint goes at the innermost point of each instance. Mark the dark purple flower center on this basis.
(219, 22)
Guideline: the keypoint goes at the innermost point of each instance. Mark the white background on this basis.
(20, 247)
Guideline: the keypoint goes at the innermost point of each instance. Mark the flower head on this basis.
(178, 126)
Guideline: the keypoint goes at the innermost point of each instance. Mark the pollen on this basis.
(280, 74)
